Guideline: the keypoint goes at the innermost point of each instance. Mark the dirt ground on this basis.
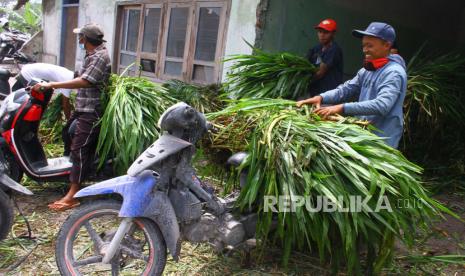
(446, 238)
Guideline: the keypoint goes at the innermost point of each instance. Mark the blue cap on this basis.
(378, 29)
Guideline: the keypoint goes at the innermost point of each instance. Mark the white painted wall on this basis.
(241, 27)
(51, 25)
(103, 13)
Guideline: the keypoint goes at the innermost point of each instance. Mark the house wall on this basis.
(101, 12)
(241, 28)
(51, 22)
(289, 25)
(33, 47)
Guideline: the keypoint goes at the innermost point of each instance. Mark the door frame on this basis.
(61, 59)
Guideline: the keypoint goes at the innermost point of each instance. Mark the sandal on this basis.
(62, 206)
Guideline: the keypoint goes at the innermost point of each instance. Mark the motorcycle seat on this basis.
(5, 74)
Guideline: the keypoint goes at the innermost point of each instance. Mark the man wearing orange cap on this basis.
(327, 55)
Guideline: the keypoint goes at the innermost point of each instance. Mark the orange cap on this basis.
(328, 25)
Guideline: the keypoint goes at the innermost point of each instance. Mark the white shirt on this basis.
(48, 72)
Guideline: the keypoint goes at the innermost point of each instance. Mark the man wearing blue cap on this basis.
(380, 86)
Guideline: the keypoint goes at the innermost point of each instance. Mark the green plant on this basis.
(27, 20)
(294, 153)
(53, 120)
(435, 88)
(203, 98)
(266, 75)
(129, 123)
(434, 117)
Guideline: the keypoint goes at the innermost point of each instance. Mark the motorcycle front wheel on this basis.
(6, 214)
(88, 231)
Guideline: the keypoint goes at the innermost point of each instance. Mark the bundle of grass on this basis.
(266, 75)
(203, 98)
(295, 156)
(129, 123)
(53, 112)
(53, 120)
(435, 89)
(434, 107)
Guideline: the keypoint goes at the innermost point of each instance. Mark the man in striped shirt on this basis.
(91, 82)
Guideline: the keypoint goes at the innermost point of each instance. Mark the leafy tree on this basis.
(27, 19)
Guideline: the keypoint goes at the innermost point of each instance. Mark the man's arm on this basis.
(388, 93)
(329, 60)
(72, 84)
(322, 70)
(343, 92)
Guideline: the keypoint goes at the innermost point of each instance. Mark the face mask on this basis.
(81, 46)
(373, 65)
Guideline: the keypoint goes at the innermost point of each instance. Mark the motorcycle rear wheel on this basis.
(6, 214)
(80, 239)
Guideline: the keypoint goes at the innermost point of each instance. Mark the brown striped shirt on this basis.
(96, 69)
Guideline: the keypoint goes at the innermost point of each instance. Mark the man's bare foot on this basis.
(62, 205)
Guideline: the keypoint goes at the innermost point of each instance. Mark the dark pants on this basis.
(67, 133)
(83, 144)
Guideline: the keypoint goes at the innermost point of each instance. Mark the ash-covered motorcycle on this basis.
(160, 203)
(7, 188)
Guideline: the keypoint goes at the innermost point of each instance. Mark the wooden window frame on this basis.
(216, 64)
(166, 26)
(122, 38)
(147, 55)
(188, 61)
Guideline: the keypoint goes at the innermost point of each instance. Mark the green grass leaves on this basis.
(294, 153)
(265, 75)
(129, 123)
